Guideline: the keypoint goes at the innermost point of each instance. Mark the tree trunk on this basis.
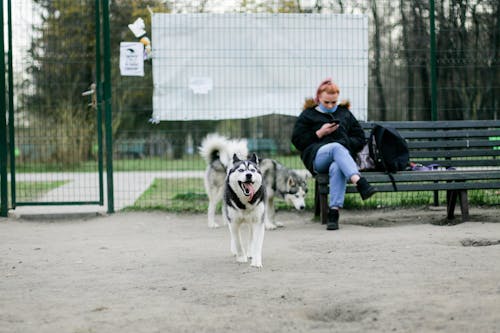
(424, 64)
(408, 55)
(376, 70)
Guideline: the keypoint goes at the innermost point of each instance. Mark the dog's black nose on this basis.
(302, 207)
(248, 176)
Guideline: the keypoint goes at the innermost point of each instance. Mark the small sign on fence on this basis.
(131, 59)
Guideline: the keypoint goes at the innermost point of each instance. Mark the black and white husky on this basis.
(244, 203)
(280, 182)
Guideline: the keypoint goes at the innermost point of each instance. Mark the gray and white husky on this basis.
(280, 182)
(244, 203)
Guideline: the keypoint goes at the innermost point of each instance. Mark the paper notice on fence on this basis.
(131, 59)
(239, 66)
(200, 85)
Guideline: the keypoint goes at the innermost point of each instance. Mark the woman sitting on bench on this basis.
(328, 135)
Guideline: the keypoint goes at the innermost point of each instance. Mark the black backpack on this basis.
(388, 149)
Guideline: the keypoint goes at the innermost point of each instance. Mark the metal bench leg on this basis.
(451, 201)
(317, 206)
(464, 205)
(323, 202)
(322, 184)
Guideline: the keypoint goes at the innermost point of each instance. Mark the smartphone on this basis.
(335, 121)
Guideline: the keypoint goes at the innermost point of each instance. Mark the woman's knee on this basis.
(333, 169)
(335, 146)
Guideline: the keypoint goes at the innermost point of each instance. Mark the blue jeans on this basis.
(336, 160)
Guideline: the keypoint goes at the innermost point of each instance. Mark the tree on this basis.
(377, 67)
(63, 66)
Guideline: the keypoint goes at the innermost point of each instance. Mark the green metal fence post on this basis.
(98, 95)
(433, 75)
(433, 62)
(3, 126)
(12, 140)
(107, 105)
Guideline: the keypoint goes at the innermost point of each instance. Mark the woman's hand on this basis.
(326, 129)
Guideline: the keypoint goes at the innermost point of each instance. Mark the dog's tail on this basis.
(217, 147)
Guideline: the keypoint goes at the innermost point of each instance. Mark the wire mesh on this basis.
(157, 165)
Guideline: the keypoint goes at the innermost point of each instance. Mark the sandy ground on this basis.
(383, 271)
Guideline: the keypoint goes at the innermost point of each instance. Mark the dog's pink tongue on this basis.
(250, 189)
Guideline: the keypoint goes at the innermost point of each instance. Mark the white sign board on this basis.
(131, 59)
(234, 66)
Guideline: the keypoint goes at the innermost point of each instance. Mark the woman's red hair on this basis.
(328, 86)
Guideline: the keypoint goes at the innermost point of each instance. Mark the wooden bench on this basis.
(469, 149)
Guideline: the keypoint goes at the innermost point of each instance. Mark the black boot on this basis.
(365, 189)
(333, 219)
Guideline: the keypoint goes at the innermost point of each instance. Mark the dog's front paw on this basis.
(279, 224)
(256, 264)
(241, 259)
(270, 226)
(213, 225)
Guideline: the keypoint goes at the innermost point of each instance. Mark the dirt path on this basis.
(157, 272)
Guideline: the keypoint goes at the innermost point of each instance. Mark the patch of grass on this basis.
(191, 196)
(188, 163)
(188, 195)
(174, 195)
(393, 200)
(30, 191)
(484, 197)
(416, 199)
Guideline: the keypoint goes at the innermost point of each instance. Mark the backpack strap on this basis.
(391, 177)
(393, 181)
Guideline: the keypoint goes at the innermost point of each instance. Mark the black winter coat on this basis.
(304, 138)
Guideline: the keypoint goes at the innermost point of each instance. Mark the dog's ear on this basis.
(235, 158)
(291, 182)
(304, 174)
(254, 158)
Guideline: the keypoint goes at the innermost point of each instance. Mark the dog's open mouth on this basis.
(247, 188)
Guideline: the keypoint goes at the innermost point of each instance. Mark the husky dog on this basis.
(244, 203)
(280, 181)
(218, 151)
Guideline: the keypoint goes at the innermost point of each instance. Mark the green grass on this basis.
(188, 195)
(194, 162)
(30, 191)
(484, 197)
(183, 194)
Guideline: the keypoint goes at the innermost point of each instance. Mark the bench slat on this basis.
(431, 187)
(485, 133)
(452, 153)
(465, 144)
(458, 163)
(454, 124)
(418, 176)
